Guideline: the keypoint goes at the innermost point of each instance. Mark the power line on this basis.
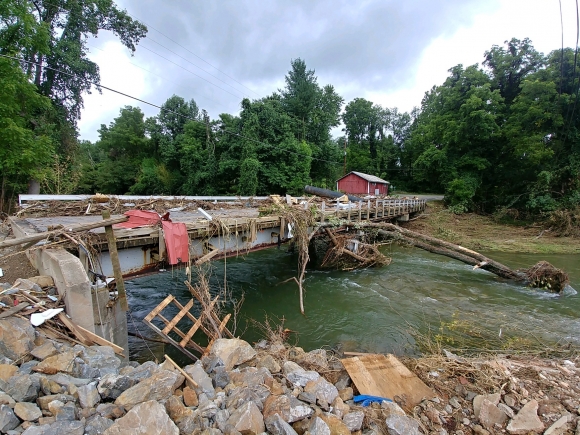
(190, 52)
(232, 133)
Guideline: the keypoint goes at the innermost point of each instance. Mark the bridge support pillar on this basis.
(403, 218)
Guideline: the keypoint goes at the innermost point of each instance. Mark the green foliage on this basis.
(248, 184)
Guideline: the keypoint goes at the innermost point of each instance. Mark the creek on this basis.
(370, 310)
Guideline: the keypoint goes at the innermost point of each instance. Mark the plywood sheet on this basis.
(386, 376)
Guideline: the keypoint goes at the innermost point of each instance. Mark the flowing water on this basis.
(371, 310)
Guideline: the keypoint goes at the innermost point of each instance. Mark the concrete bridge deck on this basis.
(232, 231)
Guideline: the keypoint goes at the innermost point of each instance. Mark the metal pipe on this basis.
(318, 191)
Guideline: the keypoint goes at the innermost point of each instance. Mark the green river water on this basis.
(370, 310)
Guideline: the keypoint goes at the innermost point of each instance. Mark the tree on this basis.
(25, 136)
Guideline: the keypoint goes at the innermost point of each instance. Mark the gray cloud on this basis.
(356, 46)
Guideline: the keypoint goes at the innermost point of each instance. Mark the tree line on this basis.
(500, 135)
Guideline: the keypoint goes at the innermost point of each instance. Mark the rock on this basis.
(8, 419)
(335, 424)
(43, 281)
(508, 411)
(510, 400)
(433, 415)
(16, 337)
(221, 377)
(454, 402)
(44, 401)
(339, 408)
(62, 362)
(147, 418)
(247, 419)
(27, 411)
(297, 375)
(44, 351)
(36, 430)
(490, 415)
(343, 382)
(160, 386)
(110, 410)
(241, 395)
(479, 430)
(318, 358)
(23, 388)
(307, 397)
(526, 420)
(26, 284)
(277, 426)
(354, 420)
(477, 401)
(66, 427)
(346, 393)
(101, 357)
(63, 411)
(112, 386)
(7, 371)
(402, 425)
(233, 351)
(318, 427)
(65, 380)
(198, 374)
(5, 399)
(176, 409)
(322, 389)
(559, 427)
(288, 407)
(391, 408)
(88, 396)
(97, 425)
(269, 362)
(190, 397)
(250, 376)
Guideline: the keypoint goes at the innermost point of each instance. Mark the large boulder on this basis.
(201, 378)
(27, 411)
(160, 386)
(23, 388)
(323, 390)
(232, 351)
(288, 407)
(8, 419)
(147, 418)
(63, 362)
(88, 396)
(16, 337)
(402, 425)
(247, 419)
(297, 375)
(277, 426)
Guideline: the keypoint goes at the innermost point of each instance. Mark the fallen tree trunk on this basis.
(541, 275)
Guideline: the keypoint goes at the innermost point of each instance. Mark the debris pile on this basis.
(546, 276)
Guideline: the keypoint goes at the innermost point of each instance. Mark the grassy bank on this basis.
(483, 233)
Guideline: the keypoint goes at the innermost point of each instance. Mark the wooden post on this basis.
(322, 209)
(383, 213)
(348, 213)
(368, 209)
(282, 227)
(359, 211)
(162, 252)
(115, 260)
(377, 209)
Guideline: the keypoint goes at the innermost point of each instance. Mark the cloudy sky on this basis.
(390, 52)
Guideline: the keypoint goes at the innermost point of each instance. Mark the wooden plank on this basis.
(9, 312)
(178, 317)
(74, 328)
(101, 341)
(206, 257)
(158, 308)
(193, 319)
(183, 372)
(115, 262)
(386, 376)
(196, 325)
(172, 341)
(177, 331)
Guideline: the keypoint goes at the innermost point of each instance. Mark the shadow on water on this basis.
(369, 310)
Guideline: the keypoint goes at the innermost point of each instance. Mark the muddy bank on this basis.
(51, 386)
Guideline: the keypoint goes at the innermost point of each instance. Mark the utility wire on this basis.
(190, 52)
(232, 133)
(562, 53)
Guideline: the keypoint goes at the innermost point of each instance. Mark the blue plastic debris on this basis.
(367, 400)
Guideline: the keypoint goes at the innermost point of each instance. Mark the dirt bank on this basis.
(483, 233)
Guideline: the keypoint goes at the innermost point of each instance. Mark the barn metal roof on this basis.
(366, 177)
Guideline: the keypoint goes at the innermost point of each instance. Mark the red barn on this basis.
(359, 183)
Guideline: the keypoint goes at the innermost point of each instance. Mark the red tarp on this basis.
(175, 234)
(139, 218)
(176, 241)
